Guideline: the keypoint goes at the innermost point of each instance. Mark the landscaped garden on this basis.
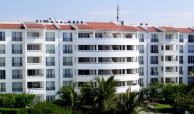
(101, 98)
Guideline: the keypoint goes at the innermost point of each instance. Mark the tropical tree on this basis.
(99, 97)
(131, 104)
(68, 97)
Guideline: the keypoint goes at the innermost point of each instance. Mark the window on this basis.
(93, 72)
(98, 35)
(141, 61)
(67, 61)
(2, 87)
(154, 38)
(141, 82)
(141, 49)
(154, 71)
(50, 73)
(121, 83)
(2, 74)
(67, 36)
(153, 80)
(190, 48)
(83, 35)
(35, 72)
(181, 38)
(67, 73)
(33, 47)
(2, 61)
(141, 71)
(17, 74)
(67, 49)
(154, 60)
(191, 38)
(33, 34)
(50, 36)
(2, 36)
(2, 48)
(191, 59)
(50, 85)
(16, 36)
(181, 59)
(180, 70)
(190, 69)
(50, 61)
(50, 97)
(190, 80)
(16, 48)
(154, 49)
(67, 83)
(180, 48)
(16, 61)
(17, 86)
(141, 37)
(33, 60)
(169, 36)
(50, 48)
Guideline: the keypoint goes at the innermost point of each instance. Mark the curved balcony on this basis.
(108, 53)
(106, 41)
(123, 65)
(119, 77)
(123, 89)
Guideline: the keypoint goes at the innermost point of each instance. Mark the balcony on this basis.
(105, 41)
(169, 52)
(36, 87)
(110, 65)
(35, 39)
(170, 74)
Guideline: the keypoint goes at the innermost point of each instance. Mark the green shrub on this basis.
(16, 100)
(48, 108)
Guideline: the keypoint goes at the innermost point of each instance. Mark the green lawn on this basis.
(158, 106)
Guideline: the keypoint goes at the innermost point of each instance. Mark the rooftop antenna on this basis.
(118, 12)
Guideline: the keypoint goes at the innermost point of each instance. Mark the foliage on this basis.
(130, 103)
(99, 98)
(169, 91)
(68, 97)
(48, 108)
(16, 100)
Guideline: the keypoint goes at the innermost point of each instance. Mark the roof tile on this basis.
(11, 26)
(34, 25)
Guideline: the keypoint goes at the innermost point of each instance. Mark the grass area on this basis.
(163, 108)
(159, 106)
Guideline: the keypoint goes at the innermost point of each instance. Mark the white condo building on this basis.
(41, 57)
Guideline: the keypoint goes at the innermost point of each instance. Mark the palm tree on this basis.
(101, 97)
(68, 97)
(131, 104)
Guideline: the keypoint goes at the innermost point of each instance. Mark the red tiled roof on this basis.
(11, 26)
(153, 29)
(141, 29)
(34, 25)
(187, 30)
(50, 27)
(169, 29)
(128, 28)
(98, 26)
(66, 27)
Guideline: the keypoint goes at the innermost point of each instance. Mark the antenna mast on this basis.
(117, 12)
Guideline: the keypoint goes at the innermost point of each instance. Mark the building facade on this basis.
(41, 57)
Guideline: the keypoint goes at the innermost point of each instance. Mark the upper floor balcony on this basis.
(107, 38)
(35, 37)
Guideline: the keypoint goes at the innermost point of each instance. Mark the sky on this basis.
(153, 12)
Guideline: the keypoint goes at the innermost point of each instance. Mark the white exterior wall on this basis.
(59, 79)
